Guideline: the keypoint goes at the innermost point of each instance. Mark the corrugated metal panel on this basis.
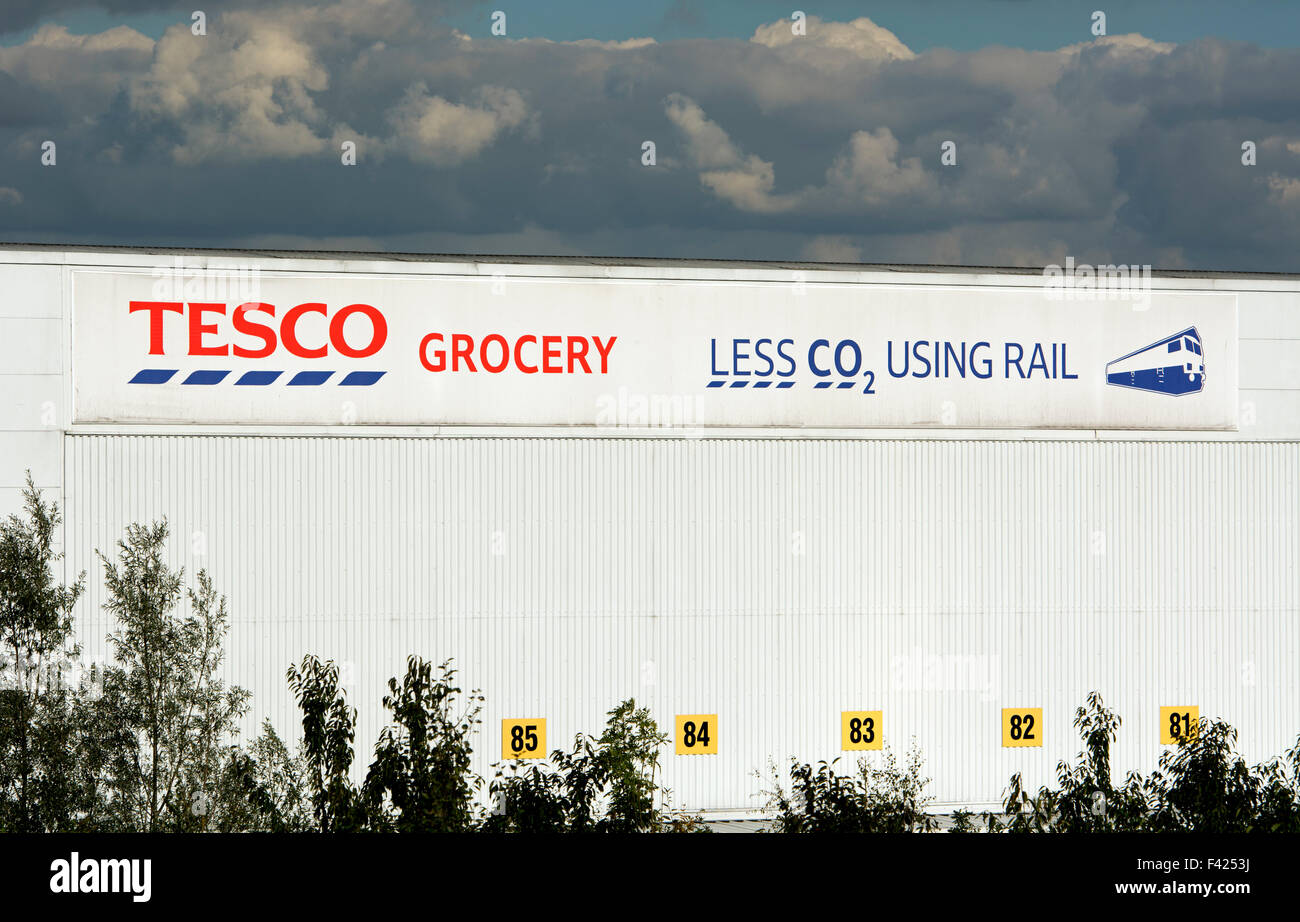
(773, 582)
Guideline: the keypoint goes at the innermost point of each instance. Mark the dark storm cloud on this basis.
(824, 146)
(21, 104)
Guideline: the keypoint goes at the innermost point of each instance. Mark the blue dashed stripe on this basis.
(204, 376)
(258, 378)
(309, 378)
(153, 375)
(779, 385)
(210, 376)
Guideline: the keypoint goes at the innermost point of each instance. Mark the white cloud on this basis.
(1284, 189)
(627, 44)
(826, 143)
(1129, 44)
(255, 88)
(707, 145)
(58, 38)
(86, 69)
(744, 181)
(861, 38)
(242, 92)
(434, 130)
(869, 173)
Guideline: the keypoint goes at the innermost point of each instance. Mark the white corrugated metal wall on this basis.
(775, 582)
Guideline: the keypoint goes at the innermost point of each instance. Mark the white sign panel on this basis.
(335, 350)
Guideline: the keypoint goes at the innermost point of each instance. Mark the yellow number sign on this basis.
(697, 734)
(862, 730)
(1177, 723)
(523, 738)
(1022, 726)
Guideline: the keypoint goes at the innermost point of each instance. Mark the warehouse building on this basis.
(798, 510)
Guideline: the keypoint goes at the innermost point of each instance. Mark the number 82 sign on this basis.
(1022, 727)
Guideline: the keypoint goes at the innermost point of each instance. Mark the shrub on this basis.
(602, 785)
(875, 799)
(1205, 786)
(420, 779)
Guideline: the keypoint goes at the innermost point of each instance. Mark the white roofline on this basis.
(137, 255)
(290, 262)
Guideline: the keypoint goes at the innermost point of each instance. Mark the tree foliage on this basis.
(420, 779)
(875, 798)
(165, 688)
(328, 731)
(1202, 785)
(149, 742)
(605, 784)
(39, 787)
(264, 789)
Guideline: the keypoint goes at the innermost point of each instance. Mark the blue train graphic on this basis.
(1174, 365)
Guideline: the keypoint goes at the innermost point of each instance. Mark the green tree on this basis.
(165, 688)
(264, 789)
(529, 800)
(583, 774)
(600, 785)
(1204, 785)
(877, 798)
(76, 747)
(36, 770)
(1201, 786)
(560, 796)
(820, 799)
(1278, 793)
(1088, 801)
(1025, 812)
(630, 748)
(420, 779)
(328, 732)
(963, 821)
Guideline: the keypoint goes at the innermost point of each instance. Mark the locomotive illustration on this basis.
(1174, 365)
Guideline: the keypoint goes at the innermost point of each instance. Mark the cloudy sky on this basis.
(767, 144)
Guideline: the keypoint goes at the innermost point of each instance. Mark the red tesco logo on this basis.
(245, 321)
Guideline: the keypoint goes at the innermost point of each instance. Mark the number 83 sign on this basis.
(861, 730)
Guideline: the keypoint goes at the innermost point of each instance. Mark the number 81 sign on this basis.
(1177, 723)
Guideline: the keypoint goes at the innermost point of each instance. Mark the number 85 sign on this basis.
(523, 738)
